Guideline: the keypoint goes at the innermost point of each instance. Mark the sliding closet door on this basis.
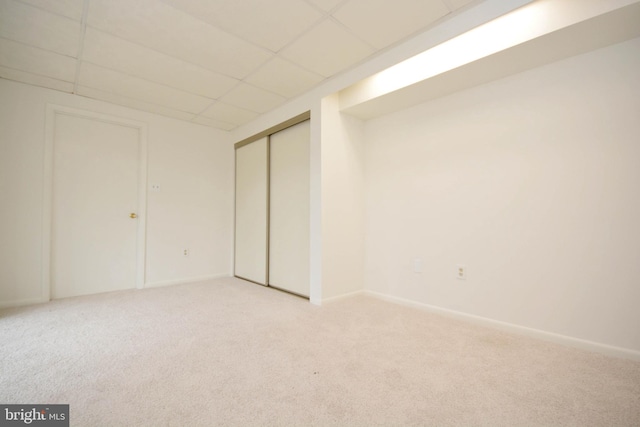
(251, 211)
(289, 209)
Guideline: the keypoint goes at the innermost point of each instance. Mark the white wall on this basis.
(342, 200)
(532, 183)
(193, 164)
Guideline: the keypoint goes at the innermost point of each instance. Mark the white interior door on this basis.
(289, 209)
(95, 191)
(251, 211)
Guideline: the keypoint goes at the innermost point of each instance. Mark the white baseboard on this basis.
(340, 297)
(184, 280)
(510, 327)
(21, 302)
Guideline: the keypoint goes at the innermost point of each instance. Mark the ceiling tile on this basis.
(214, 123)
(117, 83)
(37, 61)
(132, 103)
(326, 5)
(69, 8)
(211, 62)
(387, 22)
(252, 98)
(284, 78)
(229, 113)
(271, 24)
(36, 27)
(117, 54)
(202, 9)
(457, 4)
(327, 49)
(166, 29)
(35, 80)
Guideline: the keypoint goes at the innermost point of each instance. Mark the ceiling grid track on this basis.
(83, 30)
(219, 63)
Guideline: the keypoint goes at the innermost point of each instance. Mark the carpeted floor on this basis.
(232, 353)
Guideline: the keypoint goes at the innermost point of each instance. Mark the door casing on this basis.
(265, 137)
(52, 112)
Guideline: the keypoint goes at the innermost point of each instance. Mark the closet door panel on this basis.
(251, 211)
(289, 209)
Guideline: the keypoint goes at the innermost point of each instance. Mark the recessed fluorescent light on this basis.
(499, 34)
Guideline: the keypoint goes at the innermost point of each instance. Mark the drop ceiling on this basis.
(219, 63)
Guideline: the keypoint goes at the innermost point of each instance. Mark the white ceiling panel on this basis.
(388, 22)
(284, 78)
(69, 8)
(271, 24)
(120, 55)
(39, 28)
(214, 123)
(220, 63)
(252, 98)
(229, 113)
(326, 5)
(202, 9)
(173, 32)
(327, 49)
(35, 80)
(37, 61)
(133, 103)
(117, 83)
(457, 4)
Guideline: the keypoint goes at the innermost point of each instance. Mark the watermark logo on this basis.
(34, 415)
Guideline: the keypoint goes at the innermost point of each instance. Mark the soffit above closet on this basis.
(598, 24)
(220, 63)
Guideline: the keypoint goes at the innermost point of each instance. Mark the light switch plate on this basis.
(461, 272)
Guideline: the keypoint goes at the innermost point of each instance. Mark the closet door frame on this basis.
(289, 209)
(261, 278)
(266, 133)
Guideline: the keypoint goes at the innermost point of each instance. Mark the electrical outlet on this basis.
(461, 272)
(155, 188)
(185, 252)
(417, 265)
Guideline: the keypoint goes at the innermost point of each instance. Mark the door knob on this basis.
(133, 215)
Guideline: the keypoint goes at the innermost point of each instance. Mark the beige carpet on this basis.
(228, 352)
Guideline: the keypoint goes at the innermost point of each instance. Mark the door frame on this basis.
(53, 111)
(270, 208)
(235, 211)
(314, 222)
